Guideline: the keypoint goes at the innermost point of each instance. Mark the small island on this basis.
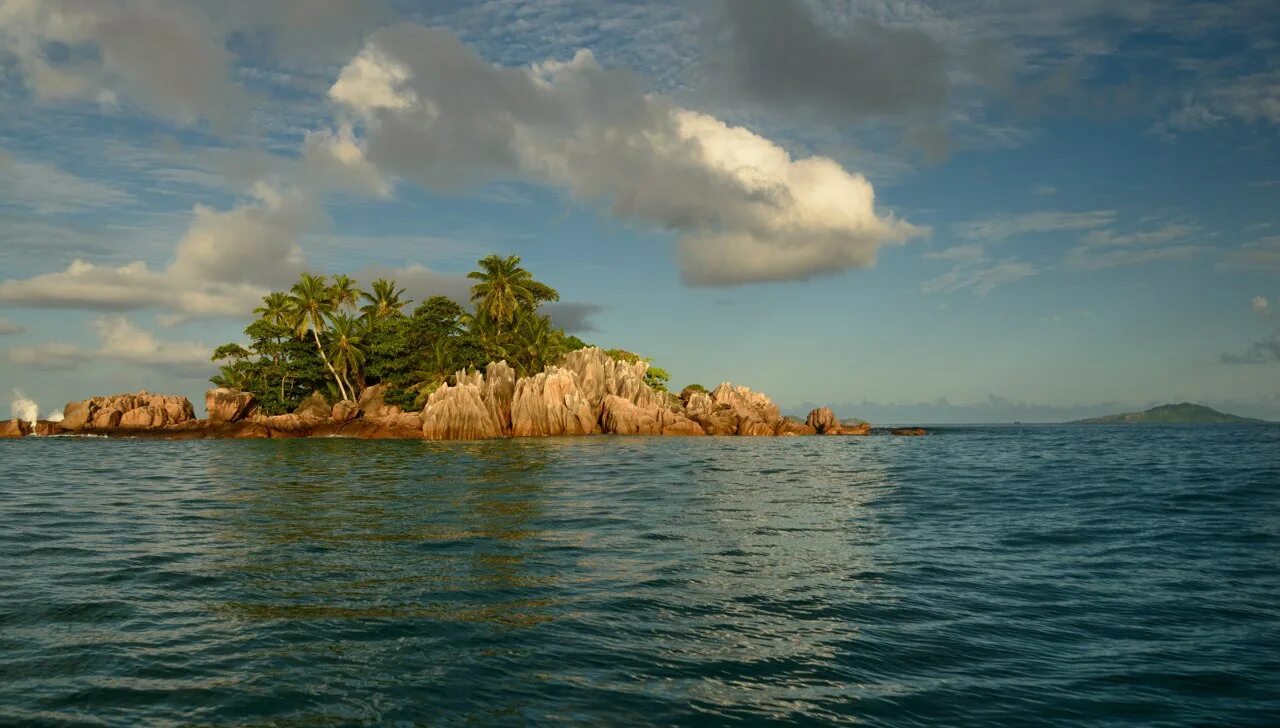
(315, 363)
(1185, 413)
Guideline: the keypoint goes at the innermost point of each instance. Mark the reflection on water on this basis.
(984, 576)
(410, 531)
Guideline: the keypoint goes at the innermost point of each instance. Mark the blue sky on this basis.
(927, 211)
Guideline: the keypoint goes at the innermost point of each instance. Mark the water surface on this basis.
(979, 576)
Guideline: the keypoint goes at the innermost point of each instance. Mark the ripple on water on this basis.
(981, 576)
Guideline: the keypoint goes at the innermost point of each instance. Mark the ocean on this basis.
(979, 576)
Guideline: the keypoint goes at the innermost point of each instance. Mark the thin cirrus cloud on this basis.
(744, 210)
(9, 328)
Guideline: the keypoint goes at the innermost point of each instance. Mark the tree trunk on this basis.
(332, 371)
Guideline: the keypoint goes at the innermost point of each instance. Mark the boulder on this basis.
(793, 428)
(715, 419)
(44, 428)
(345, 411)
(228, 405)
(908, 431)
(459, 413)
(76, 415)
(106, 419)
(144, 417)
(550, 403)
(13, 429)
(315, 407)
(373, 404)
(291, 425)
(860, 429)
(823, 420)
(620, 416)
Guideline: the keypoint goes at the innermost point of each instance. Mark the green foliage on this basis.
(695, 388)
(307, 340)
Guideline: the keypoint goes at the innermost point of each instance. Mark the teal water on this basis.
(1075, 576)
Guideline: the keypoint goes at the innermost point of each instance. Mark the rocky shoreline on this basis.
(588, 393)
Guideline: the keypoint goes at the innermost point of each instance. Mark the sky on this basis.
(959, 211)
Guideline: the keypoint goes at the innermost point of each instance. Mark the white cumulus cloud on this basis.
(744, 209)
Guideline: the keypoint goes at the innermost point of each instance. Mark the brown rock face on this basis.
(908, 431)
(861, 429)
(315, 407)
(13, 429)
(793, 428)
(104, 419)
(345, 411)
(76, 415)
(144, 417)
(374, 406)
(141, 410)
(620, 416)
(550, 403)
(730, 410)
(44, 428)
(228, 405)
(459, 413)
(497, 386)
(822, 420)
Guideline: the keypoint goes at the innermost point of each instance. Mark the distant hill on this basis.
(1172, 414)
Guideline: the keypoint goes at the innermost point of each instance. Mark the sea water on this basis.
(984, 576)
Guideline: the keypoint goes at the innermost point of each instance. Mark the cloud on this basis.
(573, 317)
(1260, 305)
(744, 210)
(972, 252)
(980, 276)
(48, 190)
(1263, 254)
(119, 340)
(1002, 227)
(335, 160)
(1244, 99)
(777, 54)
(9, 328)
(167, 56)
(1106, 248)
(1045, 190)
(47, 357)
(1261, 352)
(222, 266)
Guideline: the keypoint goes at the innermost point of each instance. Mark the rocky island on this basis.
(1185, 413)
(311, 368)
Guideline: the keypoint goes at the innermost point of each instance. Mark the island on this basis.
(313, 364)
(1185, 413)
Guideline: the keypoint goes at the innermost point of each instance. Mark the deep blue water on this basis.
(1082, 576)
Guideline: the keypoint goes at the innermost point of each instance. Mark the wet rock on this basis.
(13, 429)
(908, 431)
(858, 429)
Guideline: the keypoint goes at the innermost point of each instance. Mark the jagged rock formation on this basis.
(228, 405)
(476, 407)
(550, 403)
(588, 393)
(15, 428)
(730, 410)
(127, 411)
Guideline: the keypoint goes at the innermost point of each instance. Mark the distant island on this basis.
(1172, 414)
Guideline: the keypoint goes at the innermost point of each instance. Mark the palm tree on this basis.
(343, 294)
(345, 348)
(311, 301)
(231, 376)
(277, 311)
(504, 287)
(537, 344)
(384, 300)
